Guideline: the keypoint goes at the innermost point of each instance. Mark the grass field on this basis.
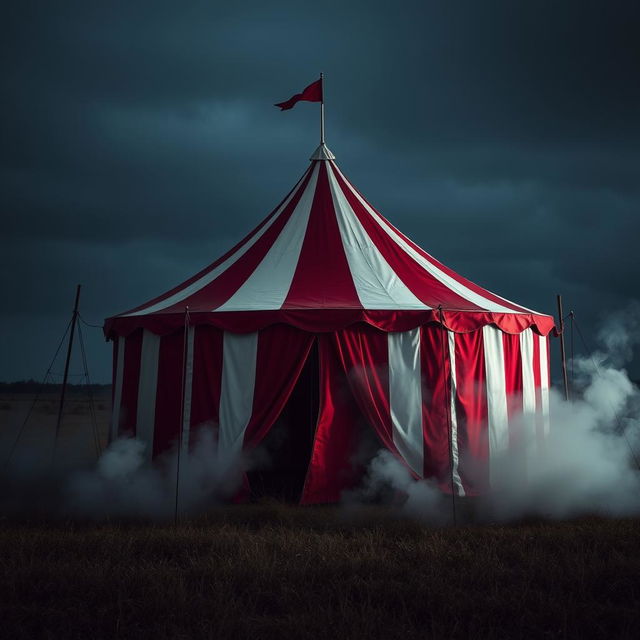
(76, 446)
(270, 571)
(274, 571)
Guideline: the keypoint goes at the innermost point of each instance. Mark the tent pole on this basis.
(563, 358)
(322, 109)
(181, 424)
(63, 392)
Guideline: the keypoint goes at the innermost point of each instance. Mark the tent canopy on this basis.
(449, 376)
(322, 260)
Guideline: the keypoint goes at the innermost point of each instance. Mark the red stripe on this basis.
(216, 293)
(219, 261)
(513, 381)
(435, 367)
(282, 352)
(470, 285)
(207, 380)
(168, 392)
(333, 467)
(422, 284)
(364, 355)
(114, 373)
(130, 383)
(472, 412)
(322, 277)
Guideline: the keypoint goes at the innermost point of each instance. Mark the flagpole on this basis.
(322, 109)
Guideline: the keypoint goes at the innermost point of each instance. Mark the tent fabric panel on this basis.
(212, 271)
(498, 417)
(236, 393)
(363, 354)
(526, 339)
(266, 284)
(130, 378)
(223, 284)
(545, 382)
(436, 400)
(422, 288)
(169, 392)
(116, 394)
(405, 397)
(147, 389)
(280, 357)
(334, 465)
(471, 412)
(537, 377)
(453, 416)
(318, 282)
(206, 381)
(512, 373)
(451, 284)
(325, 320)
(377, 283)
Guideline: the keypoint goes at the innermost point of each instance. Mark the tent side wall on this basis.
(486, 388)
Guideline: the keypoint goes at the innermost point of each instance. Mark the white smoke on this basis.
(124, 484)
(589, 461)
(388, 481)
(587, 465)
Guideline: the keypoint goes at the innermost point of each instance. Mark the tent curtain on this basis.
(452, 407)
(382, 376)
(334, 465)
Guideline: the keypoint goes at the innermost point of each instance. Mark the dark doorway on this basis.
(282, 459)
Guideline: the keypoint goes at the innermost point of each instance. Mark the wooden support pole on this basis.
(65, 377)
(563, 358)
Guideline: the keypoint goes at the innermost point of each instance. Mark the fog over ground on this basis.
(139, 141)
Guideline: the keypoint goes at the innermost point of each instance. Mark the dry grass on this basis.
(281, 572)
(270, 571)
(76, 439)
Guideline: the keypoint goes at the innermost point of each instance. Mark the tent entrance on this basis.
(283, 457)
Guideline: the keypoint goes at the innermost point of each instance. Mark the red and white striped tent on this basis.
(435, 365)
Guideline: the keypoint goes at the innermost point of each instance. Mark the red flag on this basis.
(313, 93)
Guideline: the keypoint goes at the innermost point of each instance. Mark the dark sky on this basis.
(139, 142)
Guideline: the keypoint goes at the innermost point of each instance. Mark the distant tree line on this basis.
(33, 386)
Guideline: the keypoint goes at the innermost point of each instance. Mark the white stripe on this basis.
(147, 387)
(498, 426)
(268, 285)
(544, 383)
(214, 273)
(405, 397)
(528, 385)
(377, 284)
(239, 354)
(455, 457)
(188, 387)
(528, 396)
(528, 380)
(448, 281)
(117, 392)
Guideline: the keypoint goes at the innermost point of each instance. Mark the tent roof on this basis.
(324, 258)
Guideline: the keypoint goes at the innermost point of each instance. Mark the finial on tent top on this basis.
(322, 153)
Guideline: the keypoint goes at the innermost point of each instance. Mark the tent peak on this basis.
(322, 153)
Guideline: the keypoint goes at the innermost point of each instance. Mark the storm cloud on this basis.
(140, 141)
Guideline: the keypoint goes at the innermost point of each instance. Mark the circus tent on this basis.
(446, 374)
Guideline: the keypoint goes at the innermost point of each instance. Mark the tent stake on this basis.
(74, 318)
(563, 358)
